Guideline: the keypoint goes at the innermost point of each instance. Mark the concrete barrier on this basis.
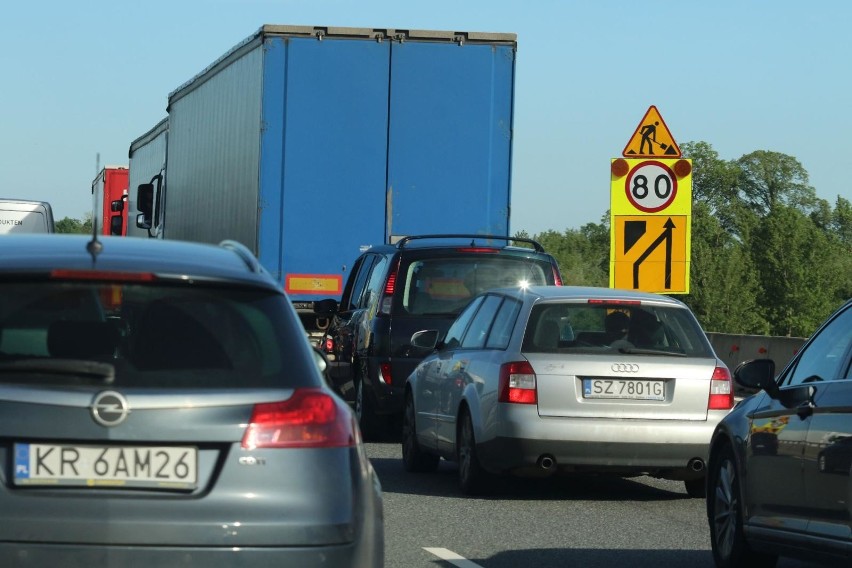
(733, 349)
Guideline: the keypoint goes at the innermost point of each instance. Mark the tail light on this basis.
(328, 345)
(390, 286)
(721, 390)
(385, 369)
(517, 383)
(557, 279)
(311, 418)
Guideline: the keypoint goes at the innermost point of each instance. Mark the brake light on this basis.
(329, 345)
(390, 284)
(385, 369)
(311, 418)
(478, 250)
(517, 383)
(721, 390)
(617, 302)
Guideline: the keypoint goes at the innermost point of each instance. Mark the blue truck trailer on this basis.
(309, 144)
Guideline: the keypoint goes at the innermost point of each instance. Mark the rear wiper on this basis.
(103, 372)
(642, 351)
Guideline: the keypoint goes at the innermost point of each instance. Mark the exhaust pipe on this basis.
(546, 462)
(696, 464)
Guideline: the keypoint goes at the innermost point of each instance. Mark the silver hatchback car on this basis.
(161, 406)
(544, 380)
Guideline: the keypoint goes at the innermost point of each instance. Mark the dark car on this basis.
(779, 479)
(420, 282)
(160, 405)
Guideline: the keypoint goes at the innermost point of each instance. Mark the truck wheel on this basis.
(725, 510)
(413, 457)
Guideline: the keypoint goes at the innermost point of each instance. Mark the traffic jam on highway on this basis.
(197, 384)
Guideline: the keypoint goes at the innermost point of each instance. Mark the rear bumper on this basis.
(16, 555)
(666, 448)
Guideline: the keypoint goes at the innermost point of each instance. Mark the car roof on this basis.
(547, 293)
(450, 242)
(229, 261)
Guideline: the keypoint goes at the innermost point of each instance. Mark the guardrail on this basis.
(733, 349)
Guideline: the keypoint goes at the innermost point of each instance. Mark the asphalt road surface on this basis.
(586, 522)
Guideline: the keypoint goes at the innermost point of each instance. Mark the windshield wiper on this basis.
(103, 372)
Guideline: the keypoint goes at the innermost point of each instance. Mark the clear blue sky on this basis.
(86, 78)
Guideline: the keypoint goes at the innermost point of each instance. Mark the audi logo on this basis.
(625, 368)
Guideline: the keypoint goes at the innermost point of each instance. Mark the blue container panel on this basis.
(450, 138)
(324, 150)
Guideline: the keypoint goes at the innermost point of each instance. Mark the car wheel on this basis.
(821, 463)
(413, 457)
(473, 479)
(725, 511)
(696, 488)
(367, 419)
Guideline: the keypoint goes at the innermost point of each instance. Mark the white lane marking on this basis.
(452, 558)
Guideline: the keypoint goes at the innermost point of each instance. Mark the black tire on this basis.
(368, 421)
(473, 479)
(414, 459)
(725, 513)
(696, 488)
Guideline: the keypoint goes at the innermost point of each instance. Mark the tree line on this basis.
(768, 256)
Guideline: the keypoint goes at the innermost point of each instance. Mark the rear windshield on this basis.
(445, 285)
(602, 328)
(149, 336)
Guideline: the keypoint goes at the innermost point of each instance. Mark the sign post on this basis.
(650, 212)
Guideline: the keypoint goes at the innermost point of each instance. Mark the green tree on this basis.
(68, 225)
(768, 179)
(798, 271)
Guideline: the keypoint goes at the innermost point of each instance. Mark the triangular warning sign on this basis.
(652, 138)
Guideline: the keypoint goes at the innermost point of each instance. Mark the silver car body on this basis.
(564, 430)
(186, 443)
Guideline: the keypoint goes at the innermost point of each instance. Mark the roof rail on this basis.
(536, 245)
(244, 253)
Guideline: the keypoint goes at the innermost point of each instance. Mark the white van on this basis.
(25, 216)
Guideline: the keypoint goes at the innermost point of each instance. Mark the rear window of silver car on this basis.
(146, 336)
(612, 328)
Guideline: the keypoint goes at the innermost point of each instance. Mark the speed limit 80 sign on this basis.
(651, 186)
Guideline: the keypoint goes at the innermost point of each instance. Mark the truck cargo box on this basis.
(309, 144)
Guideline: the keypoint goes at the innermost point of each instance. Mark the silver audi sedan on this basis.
(549, 380)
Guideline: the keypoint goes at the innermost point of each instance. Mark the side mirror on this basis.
(142, 222)
(757, 374)
(145, 200)
(117, 206)
(327, 307)
(322, 364)
(116, 223)
(426, 339)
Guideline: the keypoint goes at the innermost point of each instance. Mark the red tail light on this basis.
(329, 345)
(557, 279)
(390, 284)
(385, 369)
(311, 418)
(517, 383)
(721, 390)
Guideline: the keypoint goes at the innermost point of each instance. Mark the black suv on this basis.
(420, 282)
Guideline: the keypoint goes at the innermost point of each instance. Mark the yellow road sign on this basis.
(650, 186)
(650, 253)
(652, 138)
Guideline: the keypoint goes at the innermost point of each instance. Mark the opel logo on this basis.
(625, 368)
(109, 408)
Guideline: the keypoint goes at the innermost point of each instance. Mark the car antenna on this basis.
(94, 247)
